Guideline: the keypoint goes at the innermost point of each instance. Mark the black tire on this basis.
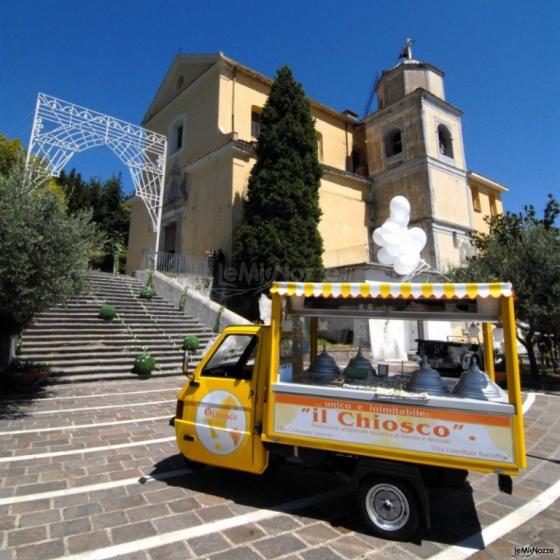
(389, 507)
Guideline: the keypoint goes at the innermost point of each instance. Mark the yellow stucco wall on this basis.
(244, 94)
(199, 104)
(241, 172)
(484, 194)
(337, 139)
(248, 92)
(343, 225)
(207, 220)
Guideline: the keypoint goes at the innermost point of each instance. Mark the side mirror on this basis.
(188, 375)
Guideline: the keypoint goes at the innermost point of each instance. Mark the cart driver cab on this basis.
(217, 425)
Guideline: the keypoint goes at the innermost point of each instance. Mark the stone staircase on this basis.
(79, 346)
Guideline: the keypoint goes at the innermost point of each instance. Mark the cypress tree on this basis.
(279, 234)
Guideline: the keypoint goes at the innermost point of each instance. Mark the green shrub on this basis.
(183, 300)
(144, 364)
(107, 312)
(147, 292)
(191, 343)
(218, 323)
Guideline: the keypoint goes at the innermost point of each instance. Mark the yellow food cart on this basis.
(254, 396)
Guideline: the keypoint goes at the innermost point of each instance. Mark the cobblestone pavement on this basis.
(91, 470)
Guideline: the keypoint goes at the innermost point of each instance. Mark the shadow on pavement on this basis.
(453, 511)
(454, 517)
(11, 408)
(555, 461)
(12, 403)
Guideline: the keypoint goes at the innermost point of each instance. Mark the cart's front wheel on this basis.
(389, 508)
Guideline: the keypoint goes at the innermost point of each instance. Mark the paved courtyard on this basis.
(91, 471)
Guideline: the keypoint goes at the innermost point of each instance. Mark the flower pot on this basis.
(27, 381)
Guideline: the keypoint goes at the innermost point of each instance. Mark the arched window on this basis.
(445, 142)
(393, 142)
(176, 135)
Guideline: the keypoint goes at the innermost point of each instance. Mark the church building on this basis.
(209, 106)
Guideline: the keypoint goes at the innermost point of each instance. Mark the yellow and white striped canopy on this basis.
(391, 290)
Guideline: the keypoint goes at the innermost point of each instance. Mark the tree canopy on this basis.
(105, 199)
(11, 151)
(279, 237)
(525, 250)
(108, 206)
(43, 251)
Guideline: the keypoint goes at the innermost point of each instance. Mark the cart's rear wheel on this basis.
(389, 507)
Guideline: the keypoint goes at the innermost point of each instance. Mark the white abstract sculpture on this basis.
(62, 129)
(400, 246)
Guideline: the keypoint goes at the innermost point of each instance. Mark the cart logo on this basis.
(220, 422)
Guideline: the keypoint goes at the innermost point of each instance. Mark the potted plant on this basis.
(26, 376)
(190, 345)
(148, 291)
(144, 364)
(107, 312)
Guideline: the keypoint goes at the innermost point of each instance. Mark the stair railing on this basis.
(176, 263)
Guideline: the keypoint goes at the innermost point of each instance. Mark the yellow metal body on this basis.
(257, 399)
(220, 423)
(488, 342)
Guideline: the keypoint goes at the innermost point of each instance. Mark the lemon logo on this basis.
(220, 422)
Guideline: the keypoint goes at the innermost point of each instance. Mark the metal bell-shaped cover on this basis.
(427, 379)
(358, 367)
(475, 384)
(323, 369)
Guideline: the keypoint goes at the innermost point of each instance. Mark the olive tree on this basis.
(43, 252)
(525, 250)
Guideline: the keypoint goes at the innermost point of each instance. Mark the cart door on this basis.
(221, 405)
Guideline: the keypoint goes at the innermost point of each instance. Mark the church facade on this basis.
(209, 107)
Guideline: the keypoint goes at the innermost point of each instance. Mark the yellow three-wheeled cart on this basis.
(254, 395)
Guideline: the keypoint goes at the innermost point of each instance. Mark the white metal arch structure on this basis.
(62, 129)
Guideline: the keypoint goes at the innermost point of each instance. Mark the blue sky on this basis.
(501, 61)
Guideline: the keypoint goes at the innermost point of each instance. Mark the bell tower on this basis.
(415, 149)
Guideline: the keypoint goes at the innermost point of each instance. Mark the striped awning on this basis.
(391, 290)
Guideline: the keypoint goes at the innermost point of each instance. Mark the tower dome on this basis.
(406, 76)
